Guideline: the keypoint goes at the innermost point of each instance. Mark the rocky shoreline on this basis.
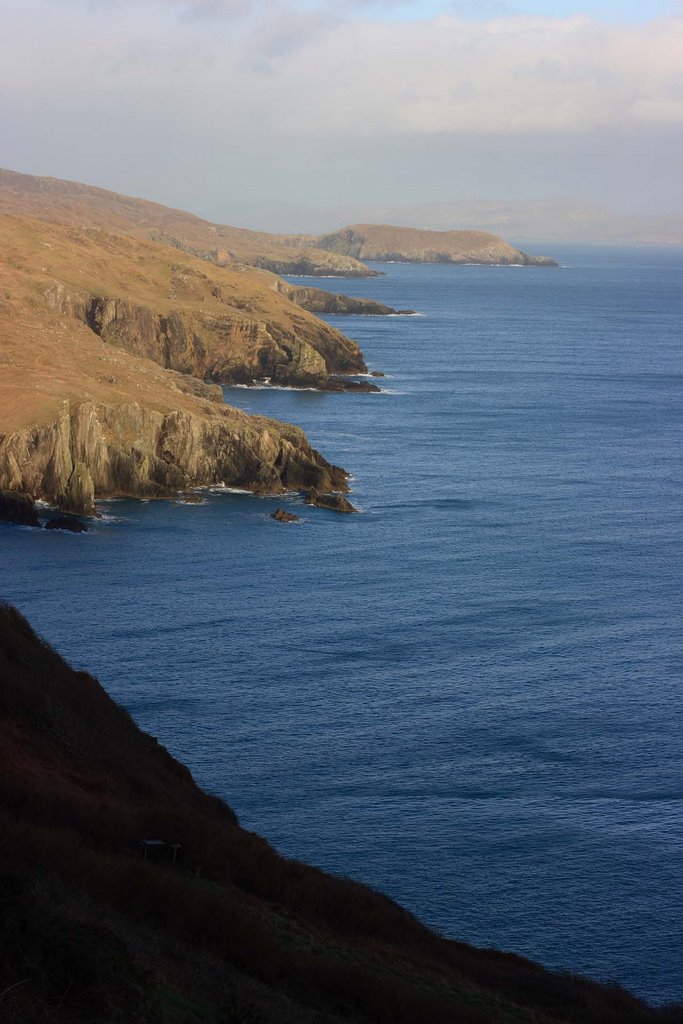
(95, 451)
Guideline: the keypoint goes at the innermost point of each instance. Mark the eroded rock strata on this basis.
(93, 450)
(316, 300)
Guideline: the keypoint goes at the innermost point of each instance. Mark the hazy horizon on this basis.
(230, 107)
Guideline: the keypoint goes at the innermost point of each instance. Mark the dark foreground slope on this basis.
(92, 932)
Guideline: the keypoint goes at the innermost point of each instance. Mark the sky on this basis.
(215, 105)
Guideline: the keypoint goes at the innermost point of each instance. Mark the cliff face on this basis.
(315, 300)
(92, 450)
(229, 325)
(86, 413)
(208, 346)
(386, 243)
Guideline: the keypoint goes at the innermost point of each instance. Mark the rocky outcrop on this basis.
(69, 524)
(336, 502)
(347, 384)
(18, 508)
(388, 244)
(219, 348)
(316, 300)
(282, 516)
(94, 450)
(312, 262)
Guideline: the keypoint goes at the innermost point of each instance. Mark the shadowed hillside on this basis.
(232, 932)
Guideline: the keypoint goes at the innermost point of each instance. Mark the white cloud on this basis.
(332, 74)
(149, 82)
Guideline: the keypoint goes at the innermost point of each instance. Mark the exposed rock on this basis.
(345, 384)
(284, 517)
(315, 300)
(70, 523)
(96, 450)
(222, 347)
(377, 373)
(18, 507)
(336, 502)
(313, 262)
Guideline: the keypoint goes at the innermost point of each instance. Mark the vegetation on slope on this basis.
(88, 405)
(84, 206)
(225, 324)
(232, 932)
(387, 243)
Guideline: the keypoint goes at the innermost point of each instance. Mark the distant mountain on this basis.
(541, 221)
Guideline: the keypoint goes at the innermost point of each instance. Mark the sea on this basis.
(468, 695)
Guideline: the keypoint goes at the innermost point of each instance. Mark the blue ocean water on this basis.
(468, 696)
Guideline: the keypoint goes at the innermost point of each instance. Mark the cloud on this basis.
(147, 85)
(320, 73)
(502, 76)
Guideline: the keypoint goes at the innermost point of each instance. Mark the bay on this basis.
(469, 695)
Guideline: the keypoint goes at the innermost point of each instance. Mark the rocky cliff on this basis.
(221, 348)
(386, 243)
(82, 417)
(93, 450)
(226, 324)
(315, 300)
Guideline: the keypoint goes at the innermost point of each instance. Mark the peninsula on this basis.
(337, 254)
(385, 243)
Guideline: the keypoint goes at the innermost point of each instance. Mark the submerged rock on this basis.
(66, 522)
(17, 507)
(284, 517)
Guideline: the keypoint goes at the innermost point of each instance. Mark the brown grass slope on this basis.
(224, 324)
(86, 206)
(90, 931)
(84, 413)
(385, 242)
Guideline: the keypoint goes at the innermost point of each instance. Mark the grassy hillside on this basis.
(220, 323)
(85, 206)
(91, 931)
(386, 242)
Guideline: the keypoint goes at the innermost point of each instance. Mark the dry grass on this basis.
(72, 203)
(46, 357)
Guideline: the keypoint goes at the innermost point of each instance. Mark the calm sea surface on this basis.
(469, 696)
